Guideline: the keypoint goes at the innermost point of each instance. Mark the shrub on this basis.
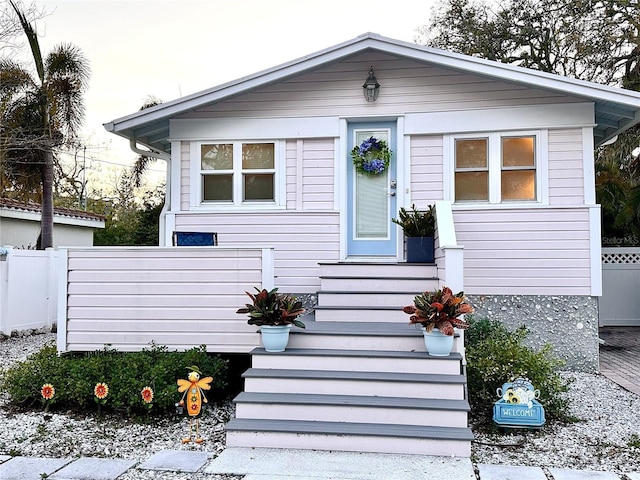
(496, 355)
(126, 374)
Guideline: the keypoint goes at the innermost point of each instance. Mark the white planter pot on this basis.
(275, 338)
(438, 344)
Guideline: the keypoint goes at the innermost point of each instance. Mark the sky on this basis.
(172, 48)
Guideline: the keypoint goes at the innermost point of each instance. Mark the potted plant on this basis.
(419, 229)
(438, 312)
(275, 313)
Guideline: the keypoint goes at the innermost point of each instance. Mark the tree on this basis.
(594, 40)
(38, 114)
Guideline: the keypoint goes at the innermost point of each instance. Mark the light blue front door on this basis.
(371, 199)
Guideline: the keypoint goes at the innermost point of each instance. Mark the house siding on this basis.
(566, 176)
(178, 297)
(407, 86)
(300, 240)
(427, 175)
(525, 251)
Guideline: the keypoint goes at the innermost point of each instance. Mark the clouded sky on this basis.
(172, 48)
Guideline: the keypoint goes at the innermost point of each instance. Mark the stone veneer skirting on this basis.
(568, 323)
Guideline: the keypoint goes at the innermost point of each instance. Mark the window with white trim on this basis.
(238, 173)
(495, 168)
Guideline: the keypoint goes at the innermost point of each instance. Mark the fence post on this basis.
(5, 255)
(61, 280)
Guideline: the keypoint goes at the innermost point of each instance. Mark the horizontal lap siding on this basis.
(566, 178)
(407, 86)
(525, 252)
(300, 240)
(180, 298)
(426, 170)
(318, 174)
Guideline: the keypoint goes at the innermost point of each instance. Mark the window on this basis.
(238, 172)
(495, 169)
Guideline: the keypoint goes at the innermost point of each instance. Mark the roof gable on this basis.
(615, 109)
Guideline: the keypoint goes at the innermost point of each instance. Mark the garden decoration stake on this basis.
(194, 394)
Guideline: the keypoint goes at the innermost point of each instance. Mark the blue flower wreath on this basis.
(371, 157)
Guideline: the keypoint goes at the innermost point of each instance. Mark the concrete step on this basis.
(352, 408)
(370, 269)
(363, 437)
(381, 283)
(360, 314)
(357, 360)
(364, 299)
(382, 384)
(387, 336)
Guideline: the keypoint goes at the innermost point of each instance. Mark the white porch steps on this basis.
(365, 292)
(356, 385)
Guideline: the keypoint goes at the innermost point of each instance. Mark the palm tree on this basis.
(39, 114)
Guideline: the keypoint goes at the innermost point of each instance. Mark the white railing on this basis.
(28, 289)
(179, 297)
(449, 255)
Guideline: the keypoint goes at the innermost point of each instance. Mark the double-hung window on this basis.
(496, 168)
(238, 173)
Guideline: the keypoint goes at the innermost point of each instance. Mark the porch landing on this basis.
(358, 385)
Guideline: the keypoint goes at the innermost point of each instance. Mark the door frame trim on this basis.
(402, 177)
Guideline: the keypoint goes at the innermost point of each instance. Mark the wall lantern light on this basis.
(371, 87)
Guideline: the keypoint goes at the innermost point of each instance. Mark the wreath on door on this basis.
(371, 157)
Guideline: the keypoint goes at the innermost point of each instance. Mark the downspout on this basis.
(167, 195)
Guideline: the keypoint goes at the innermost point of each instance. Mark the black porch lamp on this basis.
(371, 87)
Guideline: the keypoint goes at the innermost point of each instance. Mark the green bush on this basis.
(126, 374)
(496, 355)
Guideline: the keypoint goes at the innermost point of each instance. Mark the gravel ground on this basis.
(606, 436)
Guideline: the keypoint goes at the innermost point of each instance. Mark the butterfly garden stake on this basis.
(194, 396)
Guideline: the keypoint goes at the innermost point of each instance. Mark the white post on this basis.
(63, 266)
(268, 269)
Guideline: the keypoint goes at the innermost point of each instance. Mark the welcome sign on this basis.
(518, 406)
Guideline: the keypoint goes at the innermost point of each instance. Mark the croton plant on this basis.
(439, 309)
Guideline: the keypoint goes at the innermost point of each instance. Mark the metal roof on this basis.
(616, 109)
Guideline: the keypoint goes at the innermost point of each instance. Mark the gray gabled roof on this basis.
(616, 109)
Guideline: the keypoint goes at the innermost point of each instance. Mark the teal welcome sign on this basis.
(518, 406)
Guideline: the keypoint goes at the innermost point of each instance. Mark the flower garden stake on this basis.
(48, 392)
(101, 390)
(193, 391)
(371, 157)
(147, 397)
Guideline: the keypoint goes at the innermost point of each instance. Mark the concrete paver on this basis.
(278, 464)
(509, 472)
(29, 468)
(633, 476)
(176, 460)
(568, 474)
(4, 458)
(620, 356)
(88, 468)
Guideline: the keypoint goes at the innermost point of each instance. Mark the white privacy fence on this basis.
(28, 289)
(620, 301)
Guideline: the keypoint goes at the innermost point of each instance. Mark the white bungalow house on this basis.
(505, 153)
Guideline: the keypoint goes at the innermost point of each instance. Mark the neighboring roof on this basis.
(616, 109)
(31, 211)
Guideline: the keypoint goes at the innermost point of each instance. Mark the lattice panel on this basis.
(622, 257)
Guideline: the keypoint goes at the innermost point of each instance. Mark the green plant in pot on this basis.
(419, 229)
(275, 313)
(438, 313)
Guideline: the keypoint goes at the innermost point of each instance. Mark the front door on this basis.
(371, 198)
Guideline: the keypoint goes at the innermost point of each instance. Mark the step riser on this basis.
(444, 391)
(374, 299)
(352, 414)
(347, 342)
(358, 364)
(350, 443)
(361, 315)
(378, 284)
(401, 270)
